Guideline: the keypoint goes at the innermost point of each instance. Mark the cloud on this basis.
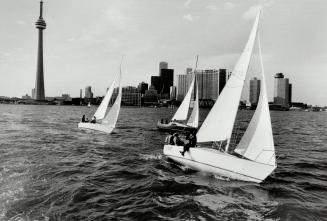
(251, 12)
(211, 7)
(229, 5)
(188, 17)
(187, 3)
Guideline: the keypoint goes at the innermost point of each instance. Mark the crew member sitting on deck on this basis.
(177, 140)
(93, 121)
(83, 118)
(191, 138)
(170, 139)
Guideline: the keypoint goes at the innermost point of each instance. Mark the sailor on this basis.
(93, 121)
(83, 118)
(191, 142)
(170, 139)
(177, 140)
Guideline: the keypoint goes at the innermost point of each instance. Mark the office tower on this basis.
(172, 94)
(210, 82)
(281, 90)
(255, 85)
(80, 93)
(39, 83)
(156, 83)
(167, 80)
(222, 79)
(162, 65)
(88, 92)
(142, 87)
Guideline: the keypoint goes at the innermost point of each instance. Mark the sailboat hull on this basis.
(175, 126)
(97, 127)
(216, 162)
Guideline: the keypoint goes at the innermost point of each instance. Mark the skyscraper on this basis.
(167, 79)
(255, 85)
(156, 83)
(88, 92)
(39, 83)
(162, 65)
(210, 82)
(281, 90)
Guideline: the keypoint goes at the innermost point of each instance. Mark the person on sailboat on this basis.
(191, 142)
(177, 140)
(83, 118)
(170, 139)
(93, 121)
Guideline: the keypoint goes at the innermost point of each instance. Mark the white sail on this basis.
(101, 111)
(182, 111)
(112, 116)
(257, 143)
(193, 121)
(219, 123)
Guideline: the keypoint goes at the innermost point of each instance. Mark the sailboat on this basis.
(89, 104)
(179, 121)
(254, 157)
(106, 122)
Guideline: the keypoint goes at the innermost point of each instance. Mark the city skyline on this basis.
(78, 55)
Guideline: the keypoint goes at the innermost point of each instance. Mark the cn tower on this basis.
(39, 83)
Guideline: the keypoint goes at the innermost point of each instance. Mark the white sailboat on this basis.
(89, 104)
(179, 121)
(256, 159)
(106, 122)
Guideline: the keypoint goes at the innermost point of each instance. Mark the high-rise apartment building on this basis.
(255, 85)
(210, 83)
(88, 92)
(282, 90)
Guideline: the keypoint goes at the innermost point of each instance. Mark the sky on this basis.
(85, 40)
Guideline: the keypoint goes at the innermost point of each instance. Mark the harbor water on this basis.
(51, 170)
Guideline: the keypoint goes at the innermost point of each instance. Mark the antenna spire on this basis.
(41, 9)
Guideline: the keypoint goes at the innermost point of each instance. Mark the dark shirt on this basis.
(193, 141)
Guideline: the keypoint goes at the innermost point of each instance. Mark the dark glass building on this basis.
(156, 83)
(167, 80)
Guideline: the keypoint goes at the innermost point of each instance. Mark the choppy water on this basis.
(50, 170)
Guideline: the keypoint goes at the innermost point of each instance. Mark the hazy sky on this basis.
(84, 42)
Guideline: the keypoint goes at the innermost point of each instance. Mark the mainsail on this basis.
(219, 123)
(257, 143)
(112, 116)
(193, 121)
(101, 111)
(182, 111)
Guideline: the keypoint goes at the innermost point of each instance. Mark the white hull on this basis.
(98, 127)
(223, 164)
